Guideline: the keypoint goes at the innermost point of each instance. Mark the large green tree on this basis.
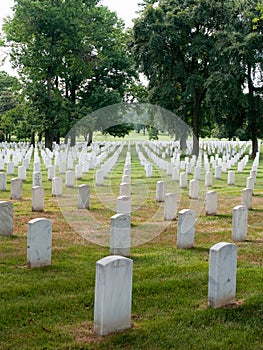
(69, 54)
(234, 89)
(173, 45)
(199, 57)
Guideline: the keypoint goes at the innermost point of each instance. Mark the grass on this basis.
(52, 307)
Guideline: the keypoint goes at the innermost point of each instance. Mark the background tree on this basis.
(201, 59)
(71, 57)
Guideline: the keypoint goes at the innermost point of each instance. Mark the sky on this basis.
(124, 9)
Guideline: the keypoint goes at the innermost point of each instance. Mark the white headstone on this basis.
(10, 168)
(170, 206)
(39, 242)
(193, 189)
(246, 197)
(124, 205)
(83, 196)
(78, 171)
(37, 198)
(6, 218)
(37, 179)
(113, 295)
(250, 183)
(149, 170)
(2, 181)
(125, 189)
(51, 172)
(222, 274)
(211, 203)
(16, 188)
(208, 179)
(160, 191)
(22, 172)
(175, 174)
(231, 177)
(218, 172)
(183, 180)
(120, 234)
(186, 228)
(57, 186)
(99, 179)
(70, 178)
(239, 223)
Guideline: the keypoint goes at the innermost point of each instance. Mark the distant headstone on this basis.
(149, 170)
(170, 206)
(246, 197)
(51, 172)
(193, 189)
(124, 205)
(239, 223)
(250, 183)
(186, 228)
(222, 274)
(16, 188)
(83, 196)
(160, 191)
(2, 181)
(183, 180)
(22, 172)
(10, 168)
(211, 203)
(125, 189)
(78, 171)
(39, 242)
(231, 177)
(120, 234)
(37, 179)
(208, 179)
(57, 186)
(37, 198)
(113, 294)
(6, 218)
(175, 174)
(99, 179)
(70, 178)
(218, 172)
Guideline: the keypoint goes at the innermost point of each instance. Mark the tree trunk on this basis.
(254, 146)
(32, 139)
(49, 139)
(90, 138)
(196, 116)
(72, 138)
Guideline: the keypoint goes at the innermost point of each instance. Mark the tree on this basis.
(199, 56)
(69, 54)
(8, 101)
(234, 91)
(173, 45)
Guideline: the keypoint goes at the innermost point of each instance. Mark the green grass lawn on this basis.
(52, 307)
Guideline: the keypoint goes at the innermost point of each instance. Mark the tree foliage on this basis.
(199, 57)
(71, 57)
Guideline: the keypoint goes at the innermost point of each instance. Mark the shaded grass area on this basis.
(52, 307)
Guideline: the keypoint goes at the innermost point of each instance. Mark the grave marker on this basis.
(6, 218)
(120, 234)
(39, 242)
(239, 223)
(222, 274)
(83, 196)
(113, 294)
(186, 228)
